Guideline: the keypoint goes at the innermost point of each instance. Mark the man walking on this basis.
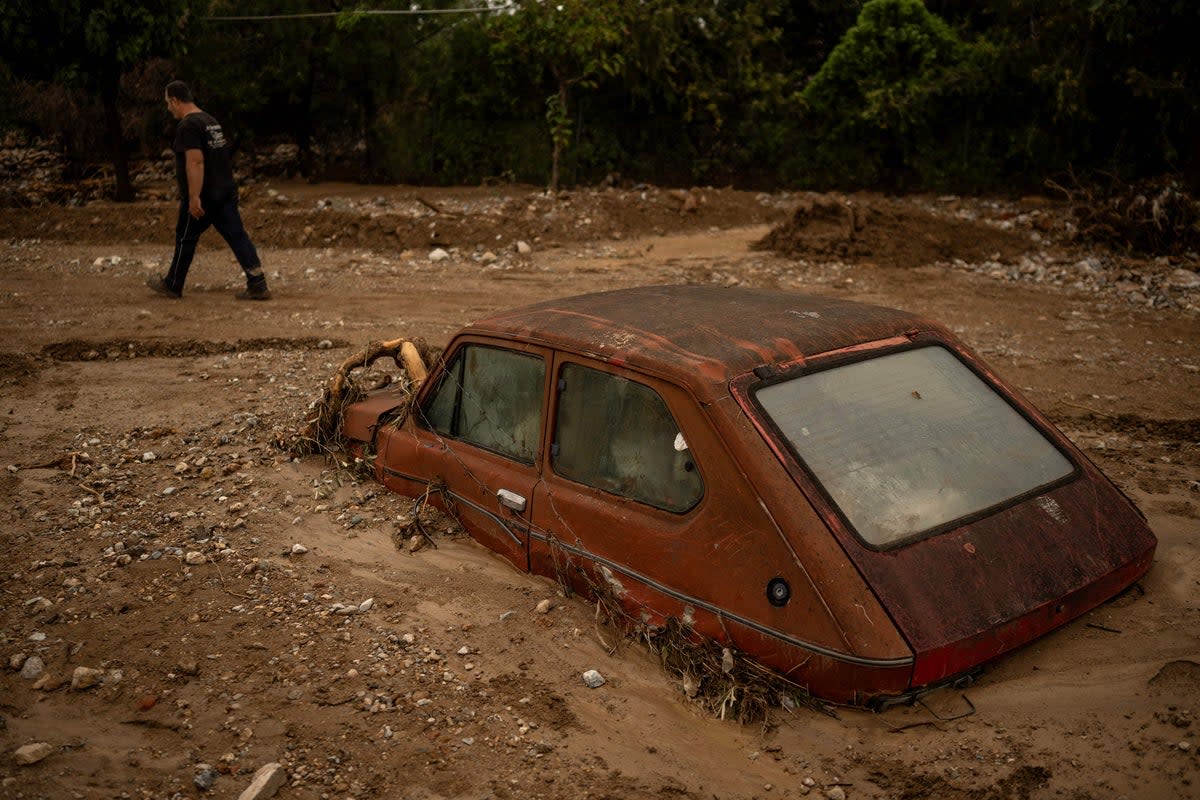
(207, 196)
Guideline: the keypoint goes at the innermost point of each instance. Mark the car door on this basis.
(620, 487)
(478, 440)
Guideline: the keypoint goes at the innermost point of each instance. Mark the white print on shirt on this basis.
(216, 137)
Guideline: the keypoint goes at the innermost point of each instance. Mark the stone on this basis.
(593, 679)
(32, 753)
(299, 549)
(1184, 279)
(365, 605)
(17, 660)
(85, 678)
(47, 683)
(836, 793)
(206, 776)
(523, 248)
(438, 254)
(544, 607)
(488, 258)
(194, 557)
(32, 668)
(266, 782)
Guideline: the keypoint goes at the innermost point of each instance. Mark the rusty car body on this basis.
(842, 492)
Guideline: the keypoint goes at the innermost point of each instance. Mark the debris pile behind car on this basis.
(890, 233)
(1153, 217)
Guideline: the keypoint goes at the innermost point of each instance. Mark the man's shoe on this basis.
(256, 293)
(157, 284)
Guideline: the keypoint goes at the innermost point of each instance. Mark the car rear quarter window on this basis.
(618, 435)
(492, 398)
(911, 441)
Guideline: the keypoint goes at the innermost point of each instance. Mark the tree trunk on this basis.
(305, 127)
(557, 135)
(109, 91)
(1191, 169)
(555, 154)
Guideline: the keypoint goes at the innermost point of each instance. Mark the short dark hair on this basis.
(180, 91)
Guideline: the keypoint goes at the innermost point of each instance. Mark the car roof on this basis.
(700, 334)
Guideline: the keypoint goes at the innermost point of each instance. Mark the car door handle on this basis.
(511, 500)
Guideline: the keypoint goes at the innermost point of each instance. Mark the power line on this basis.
(413, 12)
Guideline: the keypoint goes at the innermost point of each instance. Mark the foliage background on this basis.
(946, 95)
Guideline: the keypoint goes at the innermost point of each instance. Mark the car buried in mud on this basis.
(841, 492)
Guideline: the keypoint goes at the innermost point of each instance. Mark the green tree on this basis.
(91, 45)
(1106, 84)
(577, 42)
(897, 89)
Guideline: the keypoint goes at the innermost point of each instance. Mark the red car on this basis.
(842, 492)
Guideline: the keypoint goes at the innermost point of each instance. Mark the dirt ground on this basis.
(136, 437)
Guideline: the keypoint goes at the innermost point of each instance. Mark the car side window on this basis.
(618, 435)
(492, 398)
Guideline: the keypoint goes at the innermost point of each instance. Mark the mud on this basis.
(115, 469)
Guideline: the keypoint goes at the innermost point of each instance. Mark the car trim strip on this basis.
(637, 576)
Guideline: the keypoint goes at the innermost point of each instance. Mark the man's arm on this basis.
(194, 165)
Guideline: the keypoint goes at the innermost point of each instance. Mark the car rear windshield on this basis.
(909, 442)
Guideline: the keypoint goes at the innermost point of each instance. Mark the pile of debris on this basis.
(1156, 217)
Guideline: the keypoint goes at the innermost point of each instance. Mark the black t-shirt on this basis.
(201, 131)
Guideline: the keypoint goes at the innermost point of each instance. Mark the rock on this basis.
(299, 549)
(1184, 746)
(1184, 279)
(836, 793)
(438, 254)
(488, 258)
(325, 344)
(507, 615)
(85, 678)
(523, 248)
(464, 651)
(32, 668)
(32, 753)
(194, 558)
(544, 607)
(206, 776)
(47, 683)
(726, 660)
(148, 456)
(17, 660)
(266, 782)
(593, 679)
(365, 605)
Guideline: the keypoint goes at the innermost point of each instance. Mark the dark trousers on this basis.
(222, 214)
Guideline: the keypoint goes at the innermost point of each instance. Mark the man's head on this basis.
(179, 99)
